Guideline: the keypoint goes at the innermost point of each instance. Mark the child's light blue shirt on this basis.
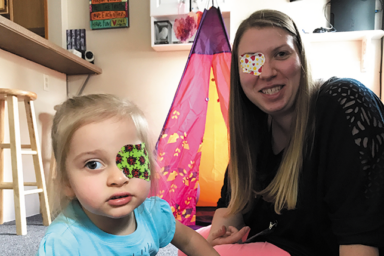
(73, 233)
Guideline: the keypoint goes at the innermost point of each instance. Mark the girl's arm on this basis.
(190, 242)
(226, 229)
(358, 250)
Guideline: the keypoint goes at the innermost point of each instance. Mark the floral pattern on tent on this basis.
(180, 144)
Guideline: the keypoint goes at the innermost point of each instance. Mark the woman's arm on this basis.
(190, 242)
(358, 250)
(226, 229)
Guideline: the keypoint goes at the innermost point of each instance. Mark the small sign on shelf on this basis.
(76, 39)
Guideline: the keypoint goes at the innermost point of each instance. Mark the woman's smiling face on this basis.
(274, 91)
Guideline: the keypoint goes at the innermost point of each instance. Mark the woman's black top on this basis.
(341, 186)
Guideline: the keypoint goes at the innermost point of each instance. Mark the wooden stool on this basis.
(12, 96)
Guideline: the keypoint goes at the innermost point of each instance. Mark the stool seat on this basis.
(20, 94)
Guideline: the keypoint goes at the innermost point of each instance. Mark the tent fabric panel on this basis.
(180, 140)
(214, 151)
(221, 64)
(179, 146)
(212, 35)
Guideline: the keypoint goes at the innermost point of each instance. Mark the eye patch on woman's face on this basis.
(252, 63)
(133, 161)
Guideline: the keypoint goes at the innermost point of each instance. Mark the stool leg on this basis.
(17, 169)
(37, 162)
(2, 125)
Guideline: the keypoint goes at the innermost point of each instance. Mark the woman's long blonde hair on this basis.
(76, 112)
(248, 125)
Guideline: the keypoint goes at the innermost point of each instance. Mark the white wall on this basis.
(131, 68)
(308, 14)
(19, 73)
(56, 22)
(343, 59)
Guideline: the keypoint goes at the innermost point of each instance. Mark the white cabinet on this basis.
(172, 9)
(169, 7)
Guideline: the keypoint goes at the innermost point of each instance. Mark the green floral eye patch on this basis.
(134, 162)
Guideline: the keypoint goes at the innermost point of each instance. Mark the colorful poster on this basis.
(109, 14)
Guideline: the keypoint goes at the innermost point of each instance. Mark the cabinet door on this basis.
(29, 14)
(169, 7)
(206, 4)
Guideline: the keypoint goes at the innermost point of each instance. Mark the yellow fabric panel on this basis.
(214, 156)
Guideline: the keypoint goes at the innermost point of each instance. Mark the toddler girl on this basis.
(104, 173)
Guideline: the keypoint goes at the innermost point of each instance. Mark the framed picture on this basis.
(106, 14)
(163, 32)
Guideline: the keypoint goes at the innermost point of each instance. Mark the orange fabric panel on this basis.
(214, 151)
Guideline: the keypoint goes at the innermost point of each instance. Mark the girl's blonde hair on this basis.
(248, 125)
(81, 110)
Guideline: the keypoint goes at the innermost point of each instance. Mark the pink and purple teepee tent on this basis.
(192, 149)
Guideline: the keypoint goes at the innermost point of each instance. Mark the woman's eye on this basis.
(282, 54)
(93, 165)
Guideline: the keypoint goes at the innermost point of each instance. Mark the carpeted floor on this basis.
(14, 245)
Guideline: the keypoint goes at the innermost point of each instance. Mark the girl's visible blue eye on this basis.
(93, 165)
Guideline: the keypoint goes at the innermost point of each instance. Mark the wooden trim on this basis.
(46, 19)
(2, 126)
(3, 7)
(10, 9)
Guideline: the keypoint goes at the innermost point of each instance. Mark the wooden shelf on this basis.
(344, 36)
(172, 47)
(24, 43)
(178, 46)
(365, 36)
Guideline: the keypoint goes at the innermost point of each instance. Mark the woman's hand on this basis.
(228, 235)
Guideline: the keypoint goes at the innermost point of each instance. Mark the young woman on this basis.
(306, 171)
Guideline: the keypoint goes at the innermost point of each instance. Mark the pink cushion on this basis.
(254, 249)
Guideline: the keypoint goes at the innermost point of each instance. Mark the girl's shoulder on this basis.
(155, 203)
(158, 215)
(59, 238)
